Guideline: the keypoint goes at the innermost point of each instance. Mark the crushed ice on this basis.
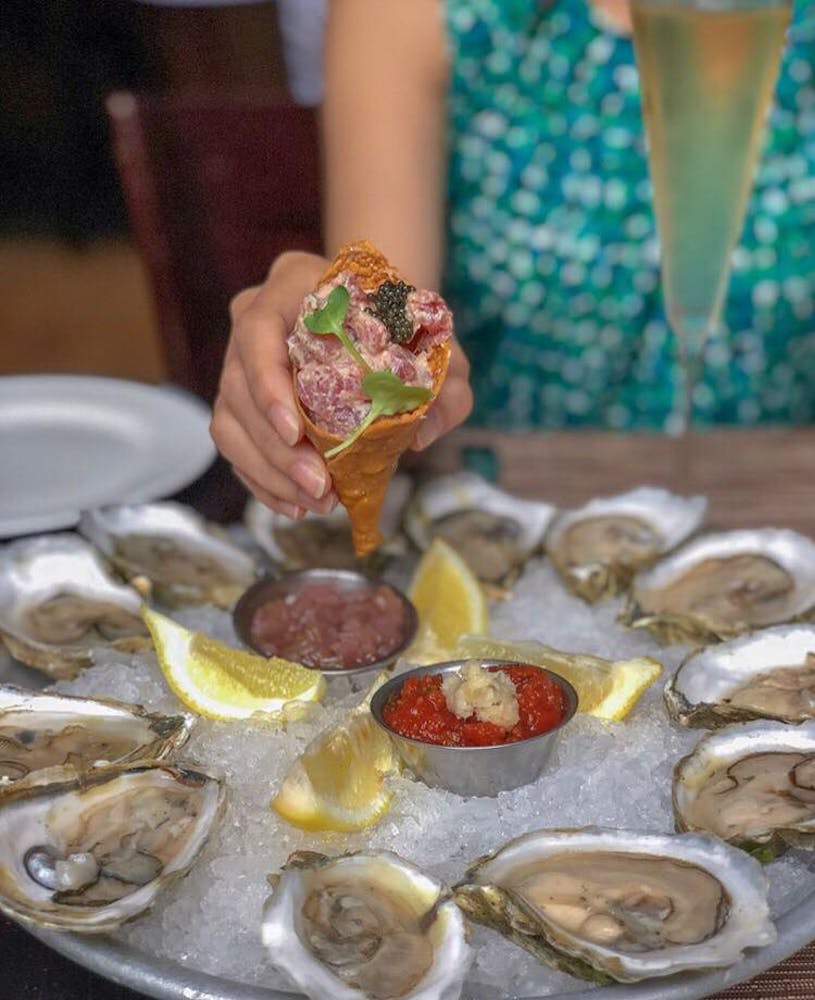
(612, 774)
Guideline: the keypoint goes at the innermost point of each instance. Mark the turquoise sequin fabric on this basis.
(552, 262)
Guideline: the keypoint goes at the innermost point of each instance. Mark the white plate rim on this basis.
(188, 410)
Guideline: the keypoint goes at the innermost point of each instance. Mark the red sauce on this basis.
(323, 625)
(419, 710)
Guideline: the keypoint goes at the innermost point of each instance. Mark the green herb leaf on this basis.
(389, 395)
(329, 320)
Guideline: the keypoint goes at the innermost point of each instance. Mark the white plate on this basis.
(69, 442)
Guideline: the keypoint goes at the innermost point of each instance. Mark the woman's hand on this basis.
(255, 422)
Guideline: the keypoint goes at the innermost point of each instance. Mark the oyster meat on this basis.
(621, 905)
(185, 560)
(365, 926)
(58, 600)
(494, 532)
(598, 548)
(40, 731)
(770, 674)
(753, 785)
(721, 585)
(87, 853)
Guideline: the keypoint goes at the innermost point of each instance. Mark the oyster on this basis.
(185, 560)
(620, 905)
(365, 926)
(598, 548)
(721, 585)
(315, 541)
(320, 541)
(494, 532)
(40, 731)
(58, 599)
(769, 675)
(87, 853)
(752, 785)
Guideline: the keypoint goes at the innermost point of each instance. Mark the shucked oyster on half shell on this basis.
(721, 585)
(621, 905)
(186, 560)
(320, 541)
(752, 785)
(769, 675)
(88, 853)
(365, 926)
(598, 548)
(58, 600)
(41, 733)
(494, 532)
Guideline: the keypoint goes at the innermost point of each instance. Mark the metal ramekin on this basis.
(345, 579)
(472, 771)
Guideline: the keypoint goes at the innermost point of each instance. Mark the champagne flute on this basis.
(708, 70)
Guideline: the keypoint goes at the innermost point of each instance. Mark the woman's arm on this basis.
(384, 131)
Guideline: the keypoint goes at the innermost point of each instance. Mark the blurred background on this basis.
(76, 295)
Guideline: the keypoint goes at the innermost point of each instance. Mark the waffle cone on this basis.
(362, 472)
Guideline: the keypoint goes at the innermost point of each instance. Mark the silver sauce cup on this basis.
(345, 581)
(482, 770)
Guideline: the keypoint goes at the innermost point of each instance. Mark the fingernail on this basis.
(310, 479)
(288, 510)
(285, 423)
(429, 430)
(324, 506)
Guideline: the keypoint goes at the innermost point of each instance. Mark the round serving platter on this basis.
(167, 980)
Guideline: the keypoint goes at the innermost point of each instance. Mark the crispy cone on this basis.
(362, 472)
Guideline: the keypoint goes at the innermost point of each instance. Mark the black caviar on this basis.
(389, 305)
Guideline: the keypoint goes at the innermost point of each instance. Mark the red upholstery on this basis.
(216, 187)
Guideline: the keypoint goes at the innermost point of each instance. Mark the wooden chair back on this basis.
(216, 187)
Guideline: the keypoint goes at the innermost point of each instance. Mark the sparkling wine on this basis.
(707, 72)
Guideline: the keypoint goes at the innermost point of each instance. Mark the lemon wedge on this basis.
(220, 682)
(607, 689)
(448, 597)
(338, 782)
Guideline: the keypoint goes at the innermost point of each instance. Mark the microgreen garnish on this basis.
(388, 394)
(330, 319)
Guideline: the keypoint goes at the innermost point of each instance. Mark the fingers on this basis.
(261, 320)
(453, 405)
(255, 423)
(272, 485)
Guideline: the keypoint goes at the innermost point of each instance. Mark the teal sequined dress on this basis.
(552, 265)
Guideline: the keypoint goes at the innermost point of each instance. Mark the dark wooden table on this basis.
(751, 477)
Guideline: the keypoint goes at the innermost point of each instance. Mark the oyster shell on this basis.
(768, 675)
(186, 560)
(40, 731)
(365, 926)
(58, 600)
(320, 541)
(87, 853)
(621, 905)
(494, 532)
(598, 548)
(315, 541)
(753, 785)
(721, 585)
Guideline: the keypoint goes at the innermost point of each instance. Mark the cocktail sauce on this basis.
(419, 711)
